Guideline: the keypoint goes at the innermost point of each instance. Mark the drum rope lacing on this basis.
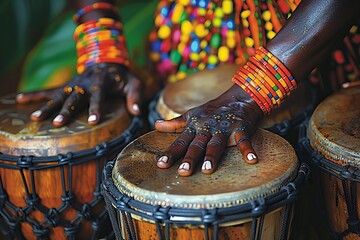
(12, 216)
(209, 218)
(349, 176)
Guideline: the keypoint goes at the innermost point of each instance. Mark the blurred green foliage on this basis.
(40, 33)
(23, 24)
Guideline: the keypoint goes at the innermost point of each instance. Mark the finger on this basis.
(176, 150)
(95, 104)
(96, 93)
(214, 150)
(194, 154)
(35, 96)
(133, 91)
(71, 105)
(174, 125)
(243, 143)
(49, 108)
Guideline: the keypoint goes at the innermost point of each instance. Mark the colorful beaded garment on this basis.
(192, 35)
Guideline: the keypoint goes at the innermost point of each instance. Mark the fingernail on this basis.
(37, 113)
(159, 121)
(184, 166)
(251, 156)
(92, 118)
(346, 85)
(59, 118)
(135, 107)
(206, 165)
(163, 159)
(20, 95)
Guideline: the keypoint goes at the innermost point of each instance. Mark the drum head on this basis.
(235, 182)
(21, 136)
(334, 128)
(194, 90)
(206, 85)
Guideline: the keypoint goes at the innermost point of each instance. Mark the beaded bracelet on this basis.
(266, 79)
(269, 78)
(280, 64)
(100, 41)
(275, 76)
(95, 6)
(259, 88)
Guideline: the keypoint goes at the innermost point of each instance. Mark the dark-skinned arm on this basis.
(309, 35)
(90, 87)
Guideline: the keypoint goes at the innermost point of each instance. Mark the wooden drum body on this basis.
(203, 86)
(332, 142)
(50, 177)
(238, 201)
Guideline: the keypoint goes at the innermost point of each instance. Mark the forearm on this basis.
(311, 32)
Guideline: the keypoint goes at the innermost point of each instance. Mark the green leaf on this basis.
(24, 22)
(52, 62)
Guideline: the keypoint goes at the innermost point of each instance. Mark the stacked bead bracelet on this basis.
(95, 6)
(266, 79)
(100, 41)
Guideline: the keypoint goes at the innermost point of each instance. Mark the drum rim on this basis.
(215, 216)
(311, 155)
(206, 201)
(331, 150)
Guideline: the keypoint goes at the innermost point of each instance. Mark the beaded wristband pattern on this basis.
(95, 6)
(266, 79)
(100, 41)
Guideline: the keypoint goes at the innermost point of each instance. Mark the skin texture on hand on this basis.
(89, 88)
(206, 130)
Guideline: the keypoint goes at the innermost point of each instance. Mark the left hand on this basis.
(230, 119)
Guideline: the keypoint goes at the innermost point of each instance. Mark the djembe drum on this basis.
(331, 142)
(203, 86)
(238, 201)
(50, 177)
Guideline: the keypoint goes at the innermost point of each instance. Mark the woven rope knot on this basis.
(25, 161)
(258, 206)
(210, 216)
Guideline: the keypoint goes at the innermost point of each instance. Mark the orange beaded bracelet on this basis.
(265, 79)
(281, 66)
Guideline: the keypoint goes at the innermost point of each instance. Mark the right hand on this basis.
(92, 86)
